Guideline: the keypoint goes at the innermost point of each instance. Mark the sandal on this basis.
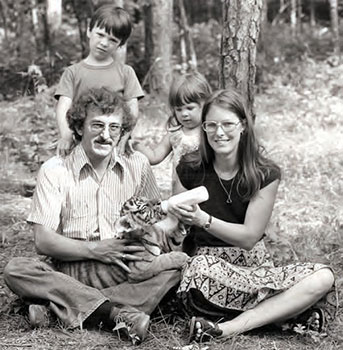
(316, 320)
(311, 320)
(201, 330)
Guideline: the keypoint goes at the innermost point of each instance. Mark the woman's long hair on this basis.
(253, 165)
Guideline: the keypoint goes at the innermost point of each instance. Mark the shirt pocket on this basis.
(77, 206)
(79, 209)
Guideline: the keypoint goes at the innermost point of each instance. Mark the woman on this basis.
(231, 274)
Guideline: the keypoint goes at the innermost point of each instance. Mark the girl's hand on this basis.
(64, 147)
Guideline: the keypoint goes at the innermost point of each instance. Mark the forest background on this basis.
(297, 98)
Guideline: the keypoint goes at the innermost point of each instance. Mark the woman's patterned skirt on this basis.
(221, 281)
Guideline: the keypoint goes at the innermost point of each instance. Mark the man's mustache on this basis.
(103, 141)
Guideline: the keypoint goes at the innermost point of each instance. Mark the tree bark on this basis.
(241, 27)
(334, 27)
(158, 44)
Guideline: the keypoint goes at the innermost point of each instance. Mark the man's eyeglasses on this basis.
(97, 128)
(211, 126)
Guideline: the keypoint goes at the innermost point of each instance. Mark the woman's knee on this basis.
(322, 281)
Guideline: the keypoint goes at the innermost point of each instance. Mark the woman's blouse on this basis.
(217, 205)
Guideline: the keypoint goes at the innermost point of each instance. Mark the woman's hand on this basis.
(189, 214)
(115, 251)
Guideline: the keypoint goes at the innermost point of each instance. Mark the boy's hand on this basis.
(64, 147)
(124, 145)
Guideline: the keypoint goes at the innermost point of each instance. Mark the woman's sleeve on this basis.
(271, 175)
(189, 175)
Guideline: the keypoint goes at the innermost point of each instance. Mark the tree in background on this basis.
(334, 27)
(187, 49)
(54, 14)
(158, 16)
(83, 10)
(293, 17)
(241, 27)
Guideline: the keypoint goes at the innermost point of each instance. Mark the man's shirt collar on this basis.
(78, 160)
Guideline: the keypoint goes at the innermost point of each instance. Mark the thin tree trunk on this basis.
(241, 27)
(299, 14)
(264, 23)
(121, 54)
(35, 24)
(294, 17)
(158, 44)
(187, 38)
(4, 16)
(54, 15)
(83, 10)
(335, 26)
(312, 14)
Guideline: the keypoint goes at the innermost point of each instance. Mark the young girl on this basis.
(186, 98)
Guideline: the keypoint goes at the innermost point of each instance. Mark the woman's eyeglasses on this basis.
(211, 126)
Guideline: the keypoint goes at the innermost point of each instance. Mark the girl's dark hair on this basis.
(253, 165)
(187, 88)
(115, 20)
(104, 101)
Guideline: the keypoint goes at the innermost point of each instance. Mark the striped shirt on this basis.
(70, 199)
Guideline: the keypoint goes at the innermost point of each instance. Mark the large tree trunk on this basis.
(241, 27)
(158, 44)
(334, 26)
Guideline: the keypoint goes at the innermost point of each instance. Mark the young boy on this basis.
(109, 29)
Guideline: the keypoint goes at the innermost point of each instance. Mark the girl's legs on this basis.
(283, 306)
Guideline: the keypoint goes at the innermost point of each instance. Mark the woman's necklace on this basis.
(228, 194)
(228, 200)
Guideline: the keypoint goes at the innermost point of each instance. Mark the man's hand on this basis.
(115, 251)
(64, 146)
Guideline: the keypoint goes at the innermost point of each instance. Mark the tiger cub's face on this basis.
(138, 213)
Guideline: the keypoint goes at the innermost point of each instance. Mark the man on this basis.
(75, 206)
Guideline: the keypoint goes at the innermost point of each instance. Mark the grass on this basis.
(299, 122)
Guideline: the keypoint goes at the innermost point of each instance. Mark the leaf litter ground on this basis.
(300, 123)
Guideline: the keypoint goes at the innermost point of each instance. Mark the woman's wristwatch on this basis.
(208, 223)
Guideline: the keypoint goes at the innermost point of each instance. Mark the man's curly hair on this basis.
(103, 100)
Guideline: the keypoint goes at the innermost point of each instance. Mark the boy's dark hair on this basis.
(103, 100)
(114, 19)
